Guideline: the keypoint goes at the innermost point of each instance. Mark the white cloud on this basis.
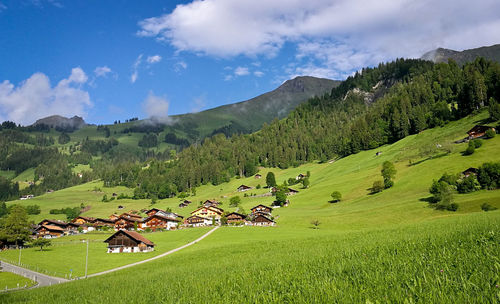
(154, 59)
(135, 69)
(35, 98)
(241, 71)
(258, 73)
(102, 71)
(156, 107)
(354, 33)
(179, 66)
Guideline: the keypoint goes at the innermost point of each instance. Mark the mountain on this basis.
(442, 55)
(60, 122)
(248, 116)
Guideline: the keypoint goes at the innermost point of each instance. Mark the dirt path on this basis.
(45, 280)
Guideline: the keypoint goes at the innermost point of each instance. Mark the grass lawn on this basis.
(10, 280)
(387, 247)
(67, 254)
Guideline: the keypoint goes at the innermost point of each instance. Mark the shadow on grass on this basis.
(428, 158)
(430, 200)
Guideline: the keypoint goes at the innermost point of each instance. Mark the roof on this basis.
(133, 235)
(236, 213)
(244, 187)
(471, 169)
(54, 222)
(292, 190)
(479, 128)
(260, 206)
(162, 217)
(263, 216)
(105, 220)
(153, 209)
(213, 208)
(51, 227)
(86, 218)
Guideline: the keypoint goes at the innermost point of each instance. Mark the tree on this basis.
(41, 242)
(234, 201)
(63, 138)
(494, 109)
(388, 173)
(3, 209)
(33, 209)
(377, 187)
(270, 179)
(280, 197)
(16, 228)
(336, 196)
(490, 133)
(305, 182)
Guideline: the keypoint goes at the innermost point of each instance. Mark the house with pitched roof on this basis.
(128, 241)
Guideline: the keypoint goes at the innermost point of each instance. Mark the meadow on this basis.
(10, 280)
(386, 247)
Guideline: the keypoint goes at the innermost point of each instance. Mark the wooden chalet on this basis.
(258, 176)
(128, 241)
(73, 228)
(261, 209)
(185, 203)
(244, 188)
(49, 231)
(209, 203)
(83, 220)
(152, 211)
(470, 171)
(235, 217)
(262, 220)
(478, 131)
(195, 221)
(157, 221)
(208, 212)
(292, 191)
(102, 222)
(128, 222)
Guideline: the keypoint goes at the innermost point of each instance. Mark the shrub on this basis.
(234, 201)
(377, 187)
(468, 184)
(258, 186)
(477, 143)
(487, 207)
(489, 175)
(470, 150)
(336, 196)
(490, 133)
(33, 209)
(452, 207)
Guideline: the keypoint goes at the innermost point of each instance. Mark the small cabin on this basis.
(258, 176)
(478, 131)
(262, 220)
(470, 171)
(292, 191)
(209, 203)
(261, 209)
(243, 188)
(300, 176)
(184, 204)
(128, 241)
(235, 217)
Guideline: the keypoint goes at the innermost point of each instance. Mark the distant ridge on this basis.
(442, 55)
(57, 121)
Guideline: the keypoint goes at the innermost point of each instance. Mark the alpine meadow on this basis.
(381, 186)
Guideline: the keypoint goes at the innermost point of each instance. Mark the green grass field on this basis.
(10, 280)
(387, 247)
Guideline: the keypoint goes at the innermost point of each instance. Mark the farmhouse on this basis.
(235, 217)
(261, 209)
(152, 211)
(243, 188)
(157, 221)
(57, 223)
(128, 241)
(208, 212)
(478, 131)
(469, 172)
(49, 231)
(128, 222)
(195, 221)
(102, 222)
(262, 220)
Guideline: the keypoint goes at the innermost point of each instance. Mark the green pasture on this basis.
(66, 256)
(10, 280)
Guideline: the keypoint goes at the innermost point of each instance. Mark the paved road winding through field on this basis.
(45, 280)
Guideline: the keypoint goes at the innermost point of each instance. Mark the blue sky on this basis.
(112, 60)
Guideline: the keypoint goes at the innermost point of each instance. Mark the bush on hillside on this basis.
(336, 196)
(487, 207)
(468, 184)
(470, 150)
(377, 187)
(490, 134)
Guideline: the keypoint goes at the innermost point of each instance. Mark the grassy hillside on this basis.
(387, 247)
